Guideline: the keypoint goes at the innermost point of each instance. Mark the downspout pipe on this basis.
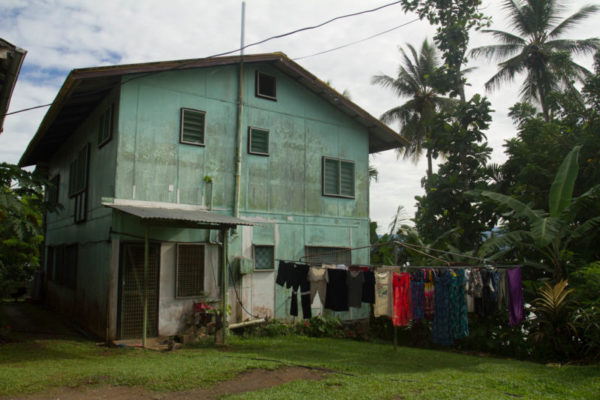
(240, 123)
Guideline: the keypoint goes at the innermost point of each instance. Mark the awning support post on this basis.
(222, 333)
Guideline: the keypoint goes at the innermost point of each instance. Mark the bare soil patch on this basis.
(249, 381)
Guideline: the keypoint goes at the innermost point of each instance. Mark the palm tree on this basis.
(537, 49)
(417, 116)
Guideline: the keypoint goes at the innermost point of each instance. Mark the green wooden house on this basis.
(256, 153)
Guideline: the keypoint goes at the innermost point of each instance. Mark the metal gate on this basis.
(131, 316)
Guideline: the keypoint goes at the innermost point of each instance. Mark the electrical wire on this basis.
(357, 41)
(237, 295)
(238, 49)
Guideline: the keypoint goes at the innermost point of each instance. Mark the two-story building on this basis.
(175, 151)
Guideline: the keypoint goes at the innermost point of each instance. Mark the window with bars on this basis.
(50, 262)
(264, 258)
(338, 177)
(105, 127)
(266, 86)
(328, 255)
(258, 141)
(192, 126)
(190, 270)
(61, 265)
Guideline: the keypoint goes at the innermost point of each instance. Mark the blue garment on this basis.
(459, 320)
(417, 286)
(441, 332)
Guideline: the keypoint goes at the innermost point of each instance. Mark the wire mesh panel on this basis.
(190, 270)
(132, 290)
(328, 255)
(264, 257)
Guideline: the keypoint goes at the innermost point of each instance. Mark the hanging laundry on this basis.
(417, 289)
(285, 274)
(469, 290)
(337, 290)
(502, 298)
(402, 299)
(441, 332)
(383, 294)
(300, 282)
(318, 283)
(516, 310)
(368, 290)
(429, 292)
(459, 319)
(354, 281)
(486, 305)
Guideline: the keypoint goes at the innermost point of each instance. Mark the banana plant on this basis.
(552, 232)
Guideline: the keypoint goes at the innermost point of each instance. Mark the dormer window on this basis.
(266, 86)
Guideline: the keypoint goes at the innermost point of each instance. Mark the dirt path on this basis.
(249, 381)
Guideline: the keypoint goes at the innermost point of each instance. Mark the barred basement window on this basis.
(192, 127)
(190, 270)
(264, 258)
(338, 177)
(50, 261)
(266, 86)
(258, 141)
(105, 127)
(62, 265)
(328, 255)
(70, 267)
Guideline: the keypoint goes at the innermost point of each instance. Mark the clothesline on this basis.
(483, 262)
(403, 267)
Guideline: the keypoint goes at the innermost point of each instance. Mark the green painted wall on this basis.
(283, 189)
(144, 161)
(88, 302)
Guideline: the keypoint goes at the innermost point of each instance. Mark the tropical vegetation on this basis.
(538, 49)
(540, 208)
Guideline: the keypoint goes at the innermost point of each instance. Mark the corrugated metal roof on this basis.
(169, 214)
(85, 88)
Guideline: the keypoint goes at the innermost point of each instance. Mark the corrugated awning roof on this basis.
(85, 88)
(170, 214)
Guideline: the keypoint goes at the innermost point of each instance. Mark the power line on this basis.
(244, 47)
(357, 41)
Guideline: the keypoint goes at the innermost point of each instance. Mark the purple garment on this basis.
(516, 311)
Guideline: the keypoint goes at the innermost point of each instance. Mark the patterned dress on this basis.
(459, 319)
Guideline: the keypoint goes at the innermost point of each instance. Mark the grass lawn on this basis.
(361, 370)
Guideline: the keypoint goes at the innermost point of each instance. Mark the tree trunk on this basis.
(429, 164)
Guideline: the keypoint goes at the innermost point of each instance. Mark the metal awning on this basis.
(183, 215)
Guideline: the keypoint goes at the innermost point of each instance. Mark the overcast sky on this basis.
(61, 35)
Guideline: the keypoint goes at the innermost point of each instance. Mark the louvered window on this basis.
(190, 270)
(328, 255)
(105, 127)
(258, 141)
(193, 124)
(264, 258)
(338, 177)
(266, 86)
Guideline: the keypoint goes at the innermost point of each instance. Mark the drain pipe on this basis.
(240, 122)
